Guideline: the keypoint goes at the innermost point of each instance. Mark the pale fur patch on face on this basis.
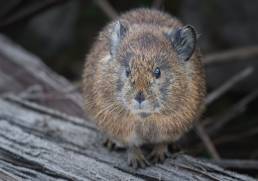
(105, 59)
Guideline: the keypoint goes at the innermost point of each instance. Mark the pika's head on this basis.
(150, 66)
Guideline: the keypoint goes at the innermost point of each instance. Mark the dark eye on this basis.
(157, 72)
(127, 72)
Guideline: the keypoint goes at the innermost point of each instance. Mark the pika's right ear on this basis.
(118, 32)
(183, 40)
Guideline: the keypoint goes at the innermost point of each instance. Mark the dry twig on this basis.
(107, 8)
(240, 53)
(157, 4)
(27, 12)
(228, 84)
(237, 164)
(241, 135)
(230, 114)
(207, 142)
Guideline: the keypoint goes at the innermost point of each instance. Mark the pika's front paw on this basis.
(110, 145)
(158, 154)
(136, 158)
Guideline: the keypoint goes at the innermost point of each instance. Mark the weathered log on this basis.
(71, 149)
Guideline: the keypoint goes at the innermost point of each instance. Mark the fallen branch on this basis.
(207, 141)
(235, 54)
(228, 85)
(237, 164)
(107, 8)
(237, 109)
(34, 72)
(27, 12)
(157, 4)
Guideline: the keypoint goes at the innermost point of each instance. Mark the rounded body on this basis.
(139, 86)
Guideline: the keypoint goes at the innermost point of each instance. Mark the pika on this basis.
(144, 83)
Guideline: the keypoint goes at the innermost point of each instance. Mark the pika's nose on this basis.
(140, 97)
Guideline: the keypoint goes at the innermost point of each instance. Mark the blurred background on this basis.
(61, 32)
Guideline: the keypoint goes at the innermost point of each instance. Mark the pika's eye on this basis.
(127, 71)
(157, 72)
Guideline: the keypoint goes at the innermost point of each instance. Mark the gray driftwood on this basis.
(45, 136)
(45, 143)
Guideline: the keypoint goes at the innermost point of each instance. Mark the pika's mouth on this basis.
(143, 109)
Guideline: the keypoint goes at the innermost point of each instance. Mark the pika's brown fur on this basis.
(173, 101)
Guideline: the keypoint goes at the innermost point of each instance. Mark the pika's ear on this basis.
(118, 32)
(183, 40)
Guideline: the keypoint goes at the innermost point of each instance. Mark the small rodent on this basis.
(143, 82)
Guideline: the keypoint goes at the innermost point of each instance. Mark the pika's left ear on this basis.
(183, 40)
(118, 32)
